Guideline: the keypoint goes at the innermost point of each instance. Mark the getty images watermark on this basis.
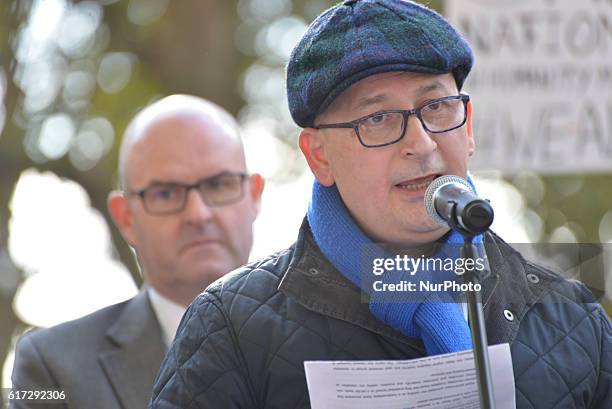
(432, 273)
(439, 274)
(435, 272)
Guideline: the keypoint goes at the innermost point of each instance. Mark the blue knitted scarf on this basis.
(433, 317)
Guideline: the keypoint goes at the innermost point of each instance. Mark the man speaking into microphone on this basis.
(376, 87)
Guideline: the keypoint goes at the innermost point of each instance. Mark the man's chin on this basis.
(415, 219)
(412, 234)
(210, 271)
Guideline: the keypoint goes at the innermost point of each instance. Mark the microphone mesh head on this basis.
(432, 190)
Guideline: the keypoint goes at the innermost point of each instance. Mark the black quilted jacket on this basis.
(242, 343)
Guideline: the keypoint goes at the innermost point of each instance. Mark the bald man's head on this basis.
(210, 117)
(188, 204)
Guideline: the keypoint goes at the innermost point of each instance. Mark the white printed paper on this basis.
(438, 382)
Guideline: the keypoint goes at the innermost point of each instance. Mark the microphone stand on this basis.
(477, 328)
(476, 320)
(468, 215)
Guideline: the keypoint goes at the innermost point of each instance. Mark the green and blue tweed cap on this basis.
(359, 38)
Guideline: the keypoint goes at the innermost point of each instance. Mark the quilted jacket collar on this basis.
(313, 282)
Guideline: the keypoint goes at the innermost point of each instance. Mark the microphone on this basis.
(451, 201)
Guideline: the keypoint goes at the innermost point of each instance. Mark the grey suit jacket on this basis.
(105, 360)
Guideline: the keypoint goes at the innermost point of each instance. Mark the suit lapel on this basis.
(131, 365)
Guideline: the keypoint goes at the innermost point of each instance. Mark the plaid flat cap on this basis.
(359, 38)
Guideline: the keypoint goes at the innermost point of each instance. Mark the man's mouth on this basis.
(417, 184)
(200, 243)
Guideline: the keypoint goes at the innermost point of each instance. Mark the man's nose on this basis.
(196, 210)
(416, 140)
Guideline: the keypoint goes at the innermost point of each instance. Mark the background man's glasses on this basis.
(387, 127)
(166, 198)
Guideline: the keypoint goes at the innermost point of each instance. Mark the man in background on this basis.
(187, 207)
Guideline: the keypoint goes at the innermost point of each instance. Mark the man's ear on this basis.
(121, 214)
(470, 129)
(311, 145)
(256, 187)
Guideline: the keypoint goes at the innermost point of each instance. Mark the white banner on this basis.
(542, 83)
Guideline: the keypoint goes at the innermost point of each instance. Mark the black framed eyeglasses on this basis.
(166, 198)
(387, 127)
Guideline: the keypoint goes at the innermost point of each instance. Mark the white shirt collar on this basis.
(168, 314)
